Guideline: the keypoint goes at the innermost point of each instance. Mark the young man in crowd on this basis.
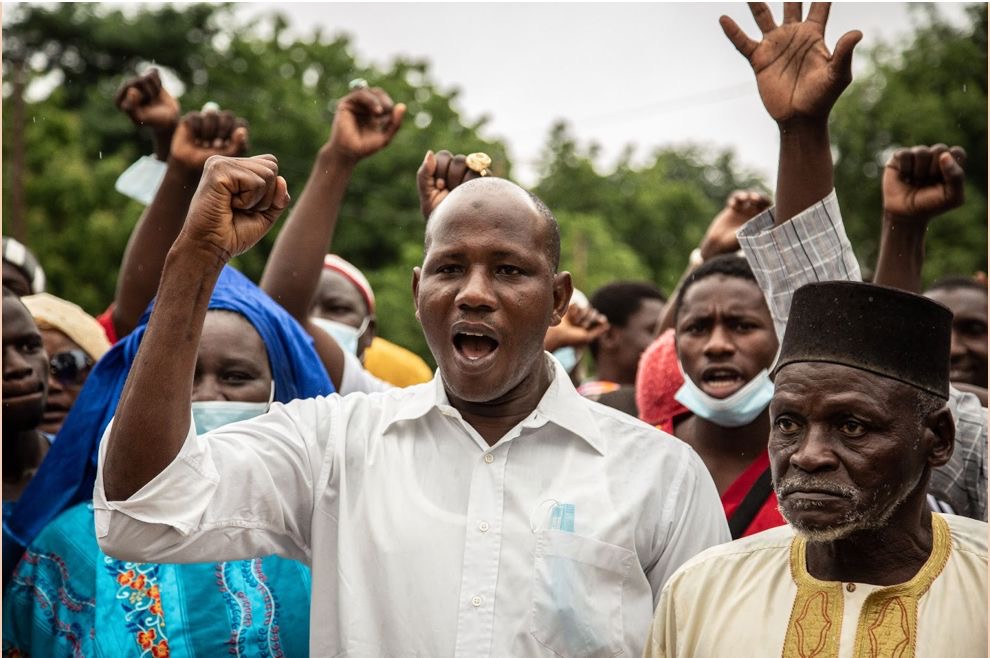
(25, 390)
(967, 299)
(633, 310)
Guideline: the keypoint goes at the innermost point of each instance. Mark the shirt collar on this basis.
(561, 405)
(421, 399)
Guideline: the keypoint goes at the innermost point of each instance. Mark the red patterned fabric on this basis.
(657, 381)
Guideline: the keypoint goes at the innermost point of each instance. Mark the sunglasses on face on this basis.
(71, 367)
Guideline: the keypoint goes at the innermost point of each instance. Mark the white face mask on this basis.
(740, 408)
(345, 335)
(211, 414)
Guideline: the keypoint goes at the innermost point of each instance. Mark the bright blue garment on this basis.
(68, 472)
(67, 598)
(192, 596)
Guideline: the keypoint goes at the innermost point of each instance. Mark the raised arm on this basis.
(365, 122)
(919, 184)
(799, 82)
(237, 201)
(148, 105)
(199, 136)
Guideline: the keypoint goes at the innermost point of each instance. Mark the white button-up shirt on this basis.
(426, 541)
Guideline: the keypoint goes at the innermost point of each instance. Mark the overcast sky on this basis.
(647, 74)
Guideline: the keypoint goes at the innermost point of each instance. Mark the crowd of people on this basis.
(777, 458)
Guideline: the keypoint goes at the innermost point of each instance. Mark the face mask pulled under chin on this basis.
(211, 414)
(345, 335)
(740, 408)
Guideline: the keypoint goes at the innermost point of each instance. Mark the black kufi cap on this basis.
(881, 330)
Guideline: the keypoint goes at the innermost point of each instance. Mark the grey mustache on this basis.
(792, 484)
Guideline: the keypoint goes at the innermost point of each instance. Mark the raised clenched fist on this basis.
(147, 103)
(201, 135)
(365, 122)
(923, 181)
(237, 201)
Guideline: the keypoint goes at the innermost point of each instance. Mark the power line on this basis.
(687, 102)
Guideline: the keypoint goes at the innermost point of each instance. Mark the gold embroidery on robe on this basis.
(888, 622)
(816, 618)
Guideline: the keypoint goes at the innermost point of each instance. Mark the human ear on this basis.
(942, 430)
(369, 334)
(563, 287)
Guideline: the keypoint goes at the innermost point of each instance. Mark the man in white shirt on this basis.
(492, 511)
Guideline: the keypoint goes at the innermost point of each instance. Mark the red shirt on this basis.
(769, 515)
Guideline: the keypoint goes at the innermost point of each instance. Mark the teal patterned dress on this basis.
(67, 598)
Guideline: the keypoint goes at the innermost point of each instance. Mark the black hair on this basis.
(619, 300)
(954, 282)
(726, 265)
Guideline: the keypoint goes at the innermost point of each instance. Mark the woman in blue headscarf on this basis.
(67, 598)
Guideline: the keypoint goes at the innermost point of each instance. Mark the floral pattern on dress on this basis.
(140, 600)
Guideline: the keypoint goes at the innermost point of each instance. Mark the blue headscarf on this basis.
(68, 473)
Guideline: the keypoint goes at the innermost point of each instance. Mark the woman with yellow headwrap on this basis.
(74, 341)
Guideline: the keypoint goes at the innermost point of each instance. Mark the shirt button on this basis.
(483, 526)
(850, 587)
(489, 458)
(476, 601)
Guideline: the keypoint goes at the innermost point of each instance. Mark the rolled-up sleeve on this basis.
(811, 246)
(244, 490)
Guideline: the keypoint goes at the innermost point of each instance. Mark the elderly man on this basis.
(864, 567)
(802, 239)
(492, 511)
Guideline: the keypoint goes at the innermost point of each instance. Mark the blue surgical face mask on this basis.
(740, 408)
(567, 356)
(345, 335)
(211, 414)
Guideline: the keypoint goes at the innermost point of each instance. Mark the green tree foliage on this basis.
(637, 220)
(648, 218)
(929, 89)
(77, 143)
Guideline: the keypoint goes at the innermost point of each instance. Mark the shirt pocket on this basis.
(577, 594)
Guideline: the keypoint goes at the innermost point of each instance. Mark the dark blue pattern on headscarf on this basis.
(68, 473)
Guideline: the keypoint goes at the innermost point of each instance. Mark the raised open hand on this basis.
(922, 182)
(365, 122)
(740, 207)
(796, 75)
(439, 174)
(147, 103)
(201, 135)
(237, 201)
